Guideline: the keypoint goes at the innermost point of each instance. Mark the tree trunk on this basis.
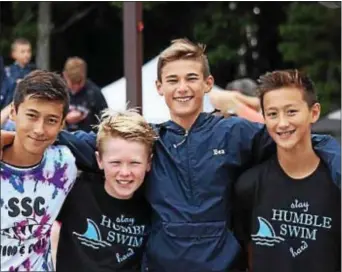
(43, 37)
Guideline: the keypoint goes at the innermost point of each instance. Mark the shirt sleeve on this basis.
(244, 198)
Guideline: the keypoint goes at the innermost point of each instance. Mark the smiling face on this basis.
(125, 164)
(38, 123)
(183, 85)
(288, 117)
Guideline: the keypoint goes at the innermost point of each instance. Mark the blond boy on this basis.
(105, 219)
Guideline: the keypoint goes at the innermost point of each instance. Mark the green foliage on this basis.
(311, 41)
(146, 5)
(25, 25)
(223, 29)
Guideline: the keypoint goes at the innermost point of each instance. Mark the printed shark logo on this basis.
(266, 235)
(92, 236)
(28, 229)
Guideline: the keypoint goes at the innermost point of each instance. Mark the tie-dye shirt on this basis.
(31, 199)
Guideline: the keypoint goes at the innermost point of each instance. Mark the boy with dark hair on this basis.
(105, 221)
(197, 157)
(35, 176)
(289, 207)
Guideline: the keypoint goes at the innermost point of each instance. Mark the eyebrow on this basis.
(188, 75)
(171, 76)
(192, 74)
(49, 115)
(286, 106)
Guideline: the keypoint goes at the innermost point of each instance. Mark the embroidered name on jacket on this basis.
(218, 152)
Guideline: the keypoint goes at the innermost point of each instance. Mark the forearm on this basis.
(4, 115)
(246, 112)
(83, 147)
(250, 101)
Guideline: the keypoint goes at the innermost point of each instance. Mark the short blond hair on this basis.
(128, 125)
(75, 69)
(183, 49)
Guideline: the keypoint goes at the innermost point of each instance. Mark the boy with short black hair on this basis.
(289, 207)
(35, 176)
(105, 221)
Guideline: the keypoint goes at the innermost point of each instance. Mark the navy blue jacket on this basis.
(190, 187)
(12, 74)
(15, 71)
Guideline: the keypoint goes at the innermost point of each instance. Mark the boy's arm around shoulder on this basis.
(329, 150)
(82, 146)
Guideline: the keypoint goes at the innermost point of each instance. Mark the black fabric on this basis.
(89, 101)
(292, 225)
(101, 233)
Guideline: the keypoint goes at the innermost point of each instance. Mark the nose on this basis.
(183, 86)
(283, 122)
(124, 170)
(39, 127)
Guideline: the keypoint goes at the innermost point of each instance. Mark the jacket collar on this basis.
(202, 119)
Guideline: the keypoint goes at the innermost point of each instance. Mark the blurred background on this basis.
(244, 40)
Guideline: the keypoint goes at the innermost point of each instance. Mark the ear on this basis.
(65, 75)
(315, 112)
(209, 83)
(148, 167)
(62, 124)
(13, 113)
(159, 88)
(99, 160)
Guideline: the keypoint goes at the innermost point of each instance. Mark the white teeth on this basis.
(286, 133)
(124, 182)
(183, 99)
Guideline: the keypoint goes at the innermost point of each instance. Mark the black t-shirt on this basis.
(90, 101)
(101, 233)
(292, 225)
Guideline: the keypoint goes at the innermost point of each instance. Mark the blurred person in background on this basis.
(21, 53)
(86, 99)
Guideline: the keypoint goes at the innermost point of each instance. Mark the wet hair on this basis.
(21, 41)
(42, 85)
(183, 49)
(75, 69)
(287, 78)
(128, 125)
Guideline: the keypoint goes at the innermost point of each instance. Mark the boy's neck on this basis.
(17, 156)
(185, 123)
(299, 162)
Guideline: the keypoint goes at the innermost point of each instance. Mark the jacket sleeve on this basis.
(329, 150)
(82, 146)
